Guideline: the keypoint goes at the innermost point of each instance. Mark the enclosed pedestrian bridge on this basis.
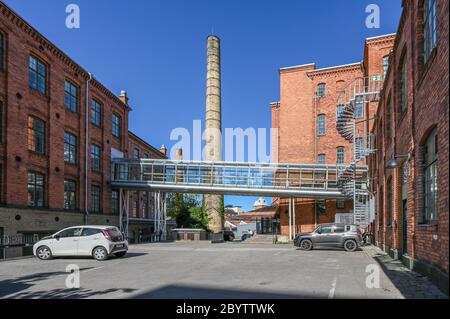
(232, 178)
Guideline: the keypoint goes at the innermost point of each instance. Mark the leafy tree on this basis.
(188, 211)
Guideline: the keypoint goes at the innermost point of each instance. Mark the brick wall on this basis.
(427, 108)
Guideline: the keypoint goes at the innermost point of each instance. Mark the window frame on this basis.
(115, 202)
(70, 203)
(96, 158)
(116, 126)
(321, 124)
(71, 96)
(321, 90)
(2, 51)
(38, 74)
(429, 31)
(35, 133)
(320, 157)
(403, 84)
(338, 153)
(96, 199)
(72, 148)
(386, 60)
(137, 152)
(34, 186)
(430, 178)
(96, 113)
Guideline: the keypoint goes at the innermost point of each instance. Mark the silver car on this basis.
(331, 235)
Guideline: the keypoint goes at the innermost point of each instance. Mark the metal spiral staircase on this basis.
(352, 125)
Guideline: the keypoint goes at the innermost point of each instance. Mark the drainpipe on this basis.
(86, 152)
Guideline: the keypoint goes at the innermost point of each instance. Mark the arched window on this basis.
(321, 90)
(321, 159)
(403, 84)
(340, 155)
(321, 125)
(430, 185)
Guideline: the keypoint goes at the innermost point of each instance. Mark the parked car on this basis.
(100, 242)
(331, 235)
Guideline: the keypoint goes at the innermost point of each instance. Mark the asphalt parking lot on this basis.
(187, 270)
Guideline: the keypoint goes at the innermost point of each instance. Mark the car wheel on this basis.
(306, 244)
(120, 254)
(100, 253)
(350, 245)
(44, 253)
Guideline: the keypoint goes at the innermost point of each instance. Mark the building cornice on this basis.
(137, 138)
(335, 69)
(16, 19)
(298, 67)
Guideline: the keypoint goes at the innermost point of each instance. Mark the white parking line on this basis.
(333, 288)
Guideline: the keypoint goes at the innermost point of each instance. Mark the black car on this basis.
(331, 235)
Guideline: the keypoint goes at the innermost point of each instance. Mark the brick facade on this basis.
(21, 100)
(400, 227)
(296, 117)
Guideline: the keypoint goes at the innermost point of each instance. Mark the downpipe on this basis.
(86, 153)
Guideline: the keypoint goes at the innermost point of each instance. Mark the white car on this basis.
(99, 242)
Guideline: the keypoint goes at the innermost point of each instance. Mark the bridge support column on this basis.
(160, 209)
(124, 209)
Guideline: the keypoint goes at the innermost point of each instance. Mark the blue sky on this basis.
(156, 51)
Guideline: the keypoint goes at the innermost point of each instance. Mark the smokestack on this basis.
(163, 150)
(213, 147)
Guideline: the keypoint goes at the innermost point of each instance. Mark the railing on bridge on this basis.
(317, 180)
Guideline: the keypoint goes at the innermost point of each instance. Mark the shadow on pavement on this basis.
(80, 293)
(12, 286)
(410, 284)
(192, 292)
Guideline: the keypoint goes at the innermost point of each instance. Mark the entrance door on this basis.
(405, 227)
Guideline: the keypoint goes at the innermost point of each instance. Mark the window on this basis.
(96, 113)
(321, 159)
(429, 29)
(136, 153)
(95, 158)
(403, 85)
(385, 65)
(2, 52)
(338, 229)
(321, 207)
(69, 195)
(36, 189)
(70, 148)
(359, 107)
(340, 159)
(38, 75)
(146, 155)
(115, 202)
(321, 90)
(359, 145)
(36, 135)
(1, 122)
(339, 109)
(71, 97)
(71, 232)
(430, 178)
(90, 231)
(390, 209)
(389, 120)
(321, 125)
(326, 229)
(116, 125)
(95, 199)
(340, 203)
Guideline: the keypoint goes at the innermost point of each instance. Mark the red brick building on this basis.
(412, 127)
(306, 118)
(55, 169)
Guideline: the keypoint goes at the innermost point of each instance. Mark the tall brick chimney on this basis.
(213, 147)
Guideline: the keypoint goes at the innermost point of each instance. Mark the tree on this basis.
(188, 211)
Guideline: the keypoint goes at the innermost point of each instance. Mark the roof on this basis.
(147, 144)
